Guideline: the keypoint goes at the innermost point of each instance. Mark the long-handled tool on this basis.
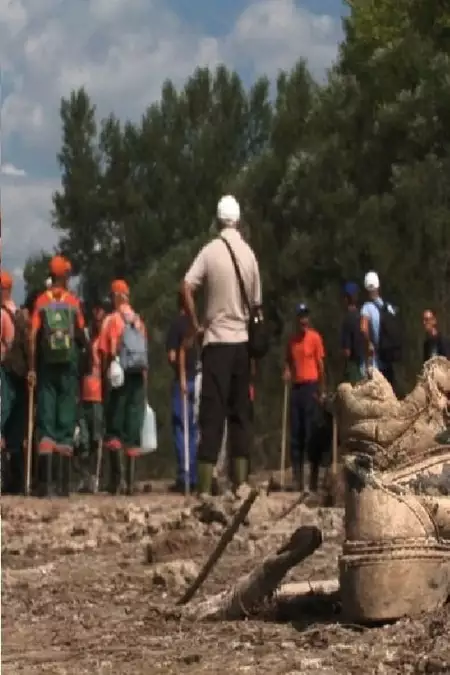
(30, 430)
(284, 436)
(98, 467)
(187, 478)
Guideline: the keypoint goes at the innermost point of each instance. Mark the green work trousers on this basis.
(13, 410)
(57, 408)
(124, 415)
(91, 426)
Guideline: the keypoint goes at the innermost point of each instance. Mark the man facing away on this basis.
(13, 369)
(434, 344)
(225, 359)
(123, 339)
(304, 369)
(56, 339)
(182, 354)
(351, 338)
(376, 318)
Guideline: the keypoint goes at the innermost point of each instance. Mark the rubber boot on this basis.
(65, 475)
(240, 471)
(116, 472)
(205, 478)
(130, 474)
(314, 477)
(299, 477)
(45, 475)
(17, 473)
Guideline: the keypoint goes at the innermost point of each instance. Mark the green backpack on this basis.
(58, 333)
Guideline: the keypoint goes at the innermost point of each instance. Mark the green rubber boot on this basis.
(205, 478)
(240, 471)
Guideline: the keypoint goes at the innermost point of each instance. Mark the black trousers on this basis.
(225, 395)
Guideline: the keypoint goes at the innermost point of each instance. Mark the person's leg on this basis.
(7, 398)
(311, 419)
(296, 434)
(67, 413)
(15, 435)
(7, 405)
(46, 396)
(216, 376)
(113, 443)
(239, 413)
(135, 399)
(193, 434)
(178, 433)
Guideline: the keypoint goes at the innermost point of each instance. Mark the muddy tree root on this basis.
(251, 590)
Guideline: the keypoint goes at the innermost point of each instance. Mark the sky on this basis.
(122, 51)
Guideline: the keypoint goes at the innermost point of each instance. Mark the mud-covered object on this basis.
(395, 433)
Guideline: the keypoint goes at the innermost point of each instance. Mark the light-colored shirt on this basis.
(226, 316)
(371, 311)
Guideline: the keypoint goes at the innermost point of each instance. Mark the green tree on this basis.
(77, 213)
(36, 272)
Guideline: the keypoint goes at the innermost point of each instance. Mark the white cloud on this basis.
(122, 51)
(26, 206)
(11, 170)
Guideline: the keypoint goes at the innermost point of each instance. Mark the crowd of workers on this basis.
(72, 389)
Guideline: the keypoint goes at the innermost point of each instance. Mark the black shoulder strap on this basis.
(12, 315)
(238, 275)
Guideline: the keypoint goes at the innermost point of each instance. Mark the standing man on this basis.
(182, 354)
(226, 362)
(123, 340)
(304, 368)
(351, 339)
(14, 368)
(380, 330)
(91, 404)
(435, 344)
(56, 338)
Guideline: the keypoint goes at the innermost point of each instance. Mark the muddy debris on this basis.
(90, 585)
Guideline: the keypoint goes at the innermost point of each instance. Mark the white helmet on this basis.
(371, 281)
(228, 211)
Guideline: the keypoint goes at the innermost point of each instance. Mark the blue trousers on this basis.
(303, 417)
(178, 431)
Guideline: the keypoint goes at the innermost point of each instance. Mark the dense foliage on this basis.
(333, 180)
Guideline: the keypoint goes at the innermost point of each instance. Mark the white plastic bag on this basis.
(149, 434)
(116, 376)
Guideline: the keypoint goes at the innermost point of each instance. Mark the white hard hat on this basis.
(228, 210)
(371, 281)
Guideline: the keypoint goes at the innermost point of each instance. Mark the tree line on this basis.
(334, 179)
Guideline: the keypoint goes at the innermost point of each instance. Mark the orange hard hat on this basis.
(6, 281)
(120, 287)
(59, 266)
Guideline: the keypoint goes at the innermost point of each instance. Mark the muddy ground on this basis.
(89, 585)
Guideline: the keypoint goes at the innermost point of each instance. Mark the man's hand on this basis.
(31, 378)
(321, 396)
(287, 375)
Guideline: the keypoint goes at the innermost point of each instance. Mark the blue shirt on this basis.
(371, 311)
